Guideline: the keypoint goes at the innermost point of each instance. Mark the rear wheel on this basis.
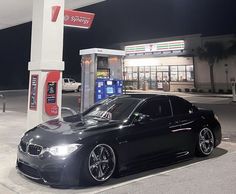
(205, 143)
(79, 89)
(99, 165)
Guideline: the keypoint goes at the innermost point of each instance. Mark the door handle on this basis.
(174, 124)
(181, 129)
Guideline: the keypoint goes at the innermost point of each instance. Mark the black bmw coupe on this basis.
(114, 136)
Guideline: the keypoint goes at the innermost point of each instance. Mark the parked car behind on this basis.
(69, 84)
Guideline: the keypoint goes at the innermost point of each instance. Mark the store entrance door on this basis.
(144, 78)
(153, 78)
(162, 80)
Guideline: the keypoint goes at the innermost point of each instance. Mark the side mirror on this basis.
(193, 109)
(141, 118)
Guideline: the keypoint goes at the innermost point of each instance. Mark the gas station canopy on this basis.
(15, 12)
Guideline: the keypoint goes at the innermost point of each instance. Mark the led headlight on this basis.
(63, 150)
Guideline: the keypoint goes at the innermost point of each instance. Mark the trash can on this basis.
(233, 84)
(145, 85)
(166, 87)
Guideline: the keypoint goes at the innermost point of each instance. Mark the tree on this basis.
(212, 52)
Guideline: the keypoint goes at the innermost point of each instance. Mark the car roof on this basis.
(145, 96)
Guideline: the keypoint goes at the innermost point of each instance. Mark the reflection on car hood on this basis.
(68, 130)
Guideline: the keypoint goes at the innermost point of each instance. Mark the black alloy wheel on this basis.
(99, 165)
(102, 162)
(206, 142)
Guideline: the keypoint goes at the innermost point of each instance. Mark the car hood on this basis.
(68, 130)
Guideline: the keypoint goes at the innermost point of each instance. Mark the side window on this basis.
(72, 80)
(180, 106)
(156, 109)
(65, 80)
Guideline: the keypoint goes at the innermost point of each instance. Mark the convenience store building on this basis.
(172, 64)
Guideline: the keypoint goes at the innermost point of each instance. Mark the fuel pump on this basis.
(107, 87)
(101, 75)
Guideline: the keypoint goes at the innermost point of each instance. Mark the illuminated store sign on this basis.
(155, 47)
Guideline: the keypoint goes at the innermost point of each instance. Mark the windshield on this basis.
(116, 109)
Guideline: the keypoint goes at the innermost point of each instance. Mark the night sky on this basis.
(118, 21)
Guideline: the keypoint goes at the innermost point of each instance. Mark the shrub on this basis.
(200, 91)
(187, 90)
(221, 91)
(193, 90)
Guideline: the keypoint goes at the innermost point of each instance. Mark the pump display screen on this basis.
(52, 88)
(109, 83)
(110, 90)
(34, 92)
(103, 73)
(51, 97)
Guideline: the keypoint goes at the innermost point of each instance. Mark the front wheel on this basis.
(206, 142)
(99, 165)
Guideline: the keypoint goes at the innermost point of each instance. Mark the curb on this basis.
(21, 90)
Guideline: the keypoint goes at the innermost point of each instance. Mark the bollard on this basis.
(233, 85)
(234, 92)
(79, 102)
(3, 103)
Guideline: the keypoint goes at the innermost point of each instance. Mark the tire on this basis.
(79, 89)
(205, 143)
(99, 165)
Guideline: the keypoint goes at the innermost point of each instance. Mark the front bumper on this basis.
(50, 169)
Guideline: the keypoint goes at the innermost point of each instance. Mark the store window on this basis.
(153, 68)
(153, 76)
(181, 73)
(181, 68)
(141, 73)
(165, 76)
(162, 68)
(182, 76)
(135, 73)
(190, 74)
(147, 73)
(159, 76)
(173, 73)
(156, 75)
(129, 73)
